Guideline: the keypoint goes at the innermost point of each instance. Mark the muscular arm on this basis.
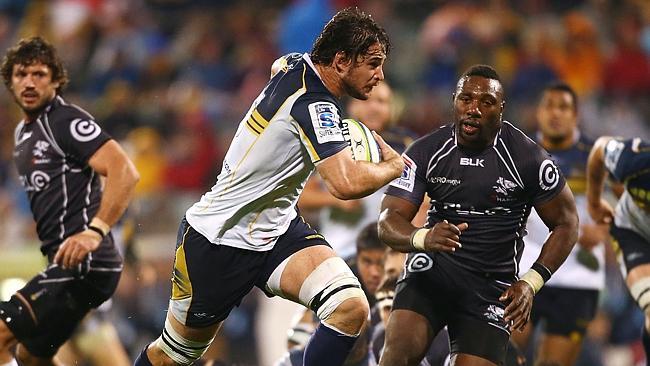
(348, 179)
(121, 176)
(560, 216)
(396, 227)
(598, 208)
(112, 162)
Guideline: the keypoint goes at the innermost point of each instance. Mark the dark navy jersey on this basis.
(51, 155)
(493, 190)
(629, 162)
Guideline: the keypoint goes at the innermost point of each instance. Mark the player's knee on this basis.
(353, 312)
(175, 347)
(331, 285)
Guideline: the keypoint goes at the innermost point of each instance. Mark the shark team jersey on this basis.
(493, 190)
(571, 274)
(629, 162)
(291, 126)
(51, 155)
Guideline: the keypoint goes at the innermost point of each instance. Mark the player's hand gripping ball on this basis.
(362, 143)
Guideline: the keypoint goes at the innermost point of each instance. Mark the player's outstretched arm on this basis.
(110, 161)
(599, 209)
(398, 232)
(347, 178)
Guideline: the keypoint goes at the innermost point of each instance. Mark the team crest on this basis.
(83, 130)
(420, 262)
(549, 176)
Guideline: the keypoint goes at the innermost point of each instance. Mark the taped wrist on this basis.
(99, 226)
(417, 238)
(537, 276)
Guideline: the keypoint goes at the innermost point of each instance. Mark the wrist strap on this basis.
(100, 226)
(417, 238)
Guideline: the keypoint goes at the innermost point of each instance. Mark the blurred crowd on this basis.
(171, 79)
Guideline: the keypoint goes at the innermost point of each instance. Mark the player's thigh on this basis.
(408, 337)
(636, 256)
(416, 311)
(44, 313)
(303, 268)
(476, 326)
(209, 280)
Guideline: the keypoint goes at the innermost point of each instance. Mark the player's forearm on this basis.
(365, 178)
(118, 192)
(559, 244)
(596, 172)
(395, 230)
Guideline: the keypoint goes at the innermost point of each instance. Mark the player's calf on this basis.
(172, 348)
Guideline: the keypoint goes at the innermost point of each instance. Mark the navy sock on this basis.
(143, 359)
(327, 347)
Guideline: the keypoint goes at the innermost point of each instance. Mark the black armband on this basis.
(97, 230)
(542, 270)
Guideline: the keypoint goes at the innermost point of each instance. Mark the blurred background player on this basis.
(568, 302)
(60, 153)
(628, 161)
(341, 221)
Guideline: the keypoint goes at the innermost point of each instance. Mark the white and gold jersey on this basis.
(291, 126)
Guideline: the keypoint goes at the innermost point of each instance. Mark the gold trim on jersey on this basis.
(315, 236)
(181, 284)
(310, 147)
(256, 123)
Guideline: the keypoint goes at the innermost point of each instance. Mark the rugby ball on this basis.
(361, 141)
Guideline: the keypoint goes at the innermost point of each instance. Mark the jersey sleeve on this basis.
(412, 184)
(79, 136)
(626, 158)
(319, 120)
(542, 178)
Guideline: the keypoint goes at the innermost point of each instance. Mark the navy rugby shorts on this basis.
(209, 280)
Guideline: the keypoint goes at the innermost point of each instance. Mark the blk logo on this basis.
(472, 162)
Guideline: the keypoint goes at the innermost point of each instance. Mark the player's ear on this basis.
(342, 62)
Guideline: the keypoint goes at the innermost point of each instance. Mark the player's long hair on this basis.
(32, 50)
(350, 31)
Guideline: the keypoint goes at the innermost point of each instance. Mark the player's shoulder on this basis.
(60, 111)
(435, 139)
(512, 136)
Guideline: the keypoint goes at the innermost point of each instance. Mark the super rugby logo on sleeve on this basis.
(549, 176)
(407, 180)
(84, 131)
(325, 120)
